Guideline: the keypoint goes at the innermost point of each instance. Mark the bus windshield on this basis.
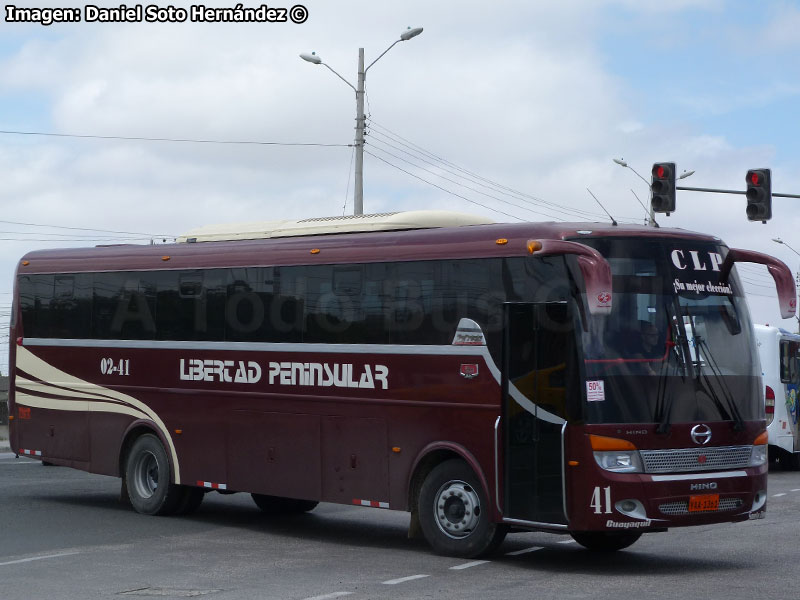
(677, 347)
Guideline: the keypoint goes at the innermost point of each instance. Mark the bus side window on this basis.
(787, 358)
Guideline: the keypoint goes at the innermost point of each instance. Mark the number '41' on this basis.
(597, 500)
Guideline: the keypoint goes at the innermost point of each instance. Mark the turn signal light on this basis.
(762, 439)
(600, 442)
(534, 246)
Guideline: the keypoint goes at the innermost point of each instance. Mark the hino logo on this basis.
(695, 487)
(701, 434)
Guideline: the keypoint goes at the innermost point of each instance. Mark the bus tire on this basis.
(276, 505)
(454, 512)
(148, 474)
(600, 541)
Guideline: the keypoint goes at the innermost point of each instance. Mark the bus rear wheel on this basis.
(599, 541)
(454, 512)
(148, 474)
(276, 505)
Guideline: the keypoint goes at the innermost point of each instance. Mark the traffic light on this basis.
(759, 195)
(662, 188)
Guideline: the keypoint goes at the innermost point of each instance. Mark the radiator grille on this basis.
(682, 507)
(696, 459)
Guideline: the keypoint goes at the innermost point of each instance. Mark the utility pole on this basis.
(358, 188)
(358, 192)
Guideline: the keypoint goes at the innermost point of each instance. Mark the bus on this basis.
(779, 351)
(577, 378)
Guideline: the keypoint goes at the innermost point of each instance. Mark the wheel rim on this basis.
(457, 507)
(145, 475)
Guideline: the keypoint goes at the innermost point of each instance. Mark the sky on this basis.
(535, 97)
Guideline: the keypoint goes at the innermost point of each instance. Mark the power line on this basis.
(349, 174)
(68, 236)
(759, 295)
(492, 184)
(755, 283)
(149, 235)
(441, 188)
(471, 179)
(179, 140)
(466, 186)
(28, 239)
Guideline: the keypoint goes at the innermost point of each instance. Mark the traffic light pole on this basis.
(716, 191)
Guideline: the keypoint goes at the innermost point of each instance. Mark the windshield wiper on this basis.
(701, 345)
(684, 364)
(738, 422)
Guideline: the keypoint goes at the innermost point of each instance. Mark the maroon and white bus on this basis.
(588, 379)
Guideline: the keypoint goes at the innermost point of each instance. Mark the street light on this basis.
(622, 163)
(780, 241)
(358, 192)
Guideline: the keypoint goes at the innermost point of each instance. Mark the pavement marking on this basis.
(403, 579)
(24, 560)
(778, 495)
(567, 542)
(797, 490)
(12, 461)
(328, 596)
(469, 565)
(525, 550)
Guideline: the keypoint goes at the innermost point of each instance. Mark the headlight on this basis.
(619, 461)
(759, 455)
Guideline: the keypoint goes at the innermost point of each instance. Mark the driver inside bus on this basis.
(649, 348)
(648, 339)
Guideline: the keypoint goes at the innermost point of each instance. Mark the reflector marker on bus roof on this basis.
(371, 503)
(213, 486)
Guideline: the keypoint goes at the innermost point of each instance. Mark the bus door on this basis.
(538, 361)
(790, 378)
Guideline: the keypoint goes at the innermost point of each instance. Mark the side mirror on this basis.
(595, 270)
(784, 281)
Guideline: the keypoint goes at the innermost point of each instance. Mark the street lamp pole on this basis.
(621, 162)
(358, 188)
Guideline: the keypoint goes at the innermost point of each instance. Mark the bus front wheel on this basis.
(454, 512)
(600, 541)
(148, 475)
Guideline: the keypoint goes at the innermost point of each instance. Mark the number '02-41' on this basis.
(109, 366)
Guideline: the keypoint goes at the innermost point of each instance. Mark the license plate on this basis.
(704, 502)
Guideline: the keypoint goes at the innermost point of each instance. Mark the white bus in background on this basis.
(779, 351)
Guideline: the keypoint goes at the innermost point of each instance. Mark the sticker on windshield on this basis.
(595, 391)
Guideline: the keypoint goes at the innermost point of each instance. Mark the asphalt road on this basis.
(65, 535)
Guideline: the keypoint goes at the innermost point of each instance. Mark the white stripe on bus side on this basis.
(36, 367)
